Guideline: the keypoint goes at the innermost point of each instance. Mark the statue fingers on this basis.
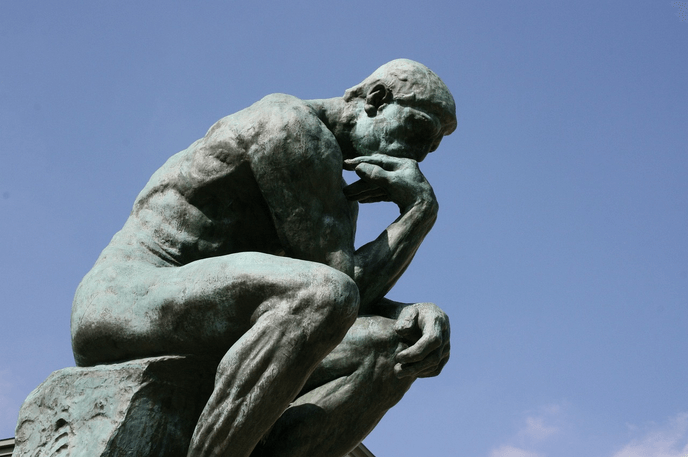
(426, 367)
(420, 351)
(363, 190)
(373, 173)
(376, 199)
(372, 197)
(358, 187)
(381, 160)
(434, 371)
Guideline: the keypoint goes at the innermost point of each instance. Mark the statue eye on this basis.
(422, 127)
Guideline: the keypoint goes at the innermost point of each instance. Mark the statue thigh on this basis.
(129, 310)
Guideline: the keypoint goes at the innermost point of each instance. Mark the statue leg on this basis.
(268, 320)
(265, 369)
(345, 398)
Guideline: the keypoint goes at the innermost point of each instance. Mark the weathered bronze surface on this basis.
(241, 249)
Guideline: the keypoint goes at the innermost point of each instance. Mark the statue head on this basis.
(412, 84)
(407, 109)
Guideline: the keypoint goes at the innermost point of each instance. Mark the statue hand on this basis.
(387, 178)
(426, 327)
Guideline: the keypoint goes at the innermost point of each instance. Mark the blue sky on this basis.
(561, 248)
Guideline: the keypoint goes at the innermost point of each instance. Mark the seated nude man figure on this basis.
(241, 247)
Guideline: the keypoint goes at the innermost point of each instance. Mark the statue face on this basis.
(397, 130)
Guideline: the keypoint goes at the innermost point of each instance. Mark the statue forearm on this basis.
(380, 263)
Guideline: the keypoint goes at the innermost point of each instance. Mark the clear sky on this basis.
(561, 248)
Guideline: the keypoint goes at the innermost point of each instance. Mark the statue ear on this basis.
(377, 96)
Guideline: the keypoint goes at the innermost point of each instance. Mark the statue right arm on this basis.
(381, 262)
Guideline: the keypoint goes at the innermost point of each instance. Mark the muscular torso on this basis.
(207, 200)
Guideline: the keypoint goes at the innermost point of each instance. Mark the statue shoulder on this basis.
(286, 123)
(287, 111)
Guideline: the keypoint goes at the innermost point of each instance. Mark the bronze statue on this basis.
(241, 248)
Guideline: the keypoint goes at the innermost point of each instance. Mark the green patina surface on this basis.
(241, 249)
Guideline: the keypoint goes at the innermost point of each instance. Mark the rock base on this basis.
(145, 408)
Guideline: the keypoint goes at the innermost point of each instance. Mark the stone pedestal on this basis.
(146, 408)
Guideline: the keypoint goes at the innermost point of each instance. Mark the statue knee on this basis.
(390, 389)
(379, 345)
(330, 302)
